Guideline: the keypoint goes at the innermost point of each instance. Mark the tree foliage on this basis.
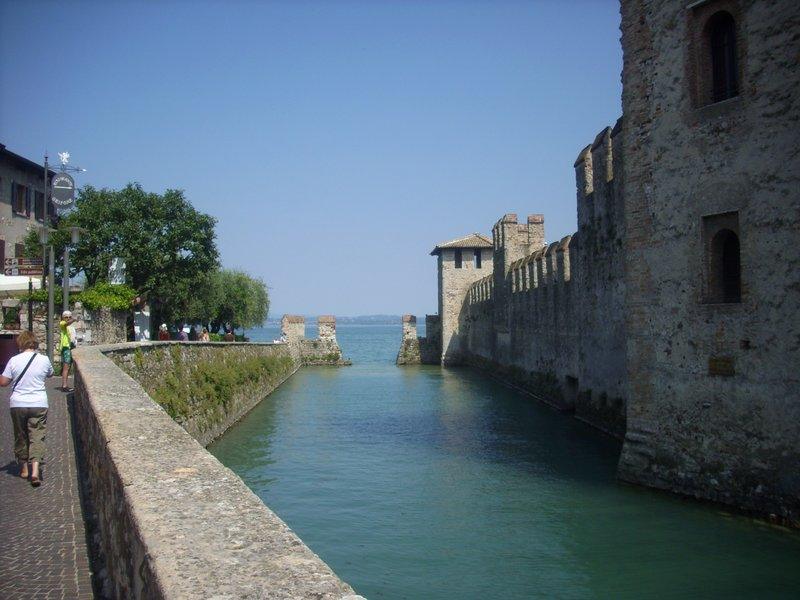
(166, 244)
(170, 256)
(229, 297)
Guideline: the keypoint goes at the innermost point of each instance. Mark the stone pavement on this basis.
(43, 550)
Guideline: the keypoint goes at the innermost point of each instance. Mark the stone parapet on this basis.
(173, 521)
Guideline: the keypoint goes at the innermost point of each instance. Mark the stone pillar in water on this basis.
(409, 346)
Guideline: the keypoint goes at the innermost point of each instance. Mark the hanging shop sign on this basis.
(63, 190)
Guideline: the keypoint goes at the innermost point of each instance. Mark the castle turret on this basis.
(461, 263)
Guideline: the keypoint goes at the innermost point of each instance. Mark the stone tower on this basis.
(461, 263)
(710, 178)
(511, 241)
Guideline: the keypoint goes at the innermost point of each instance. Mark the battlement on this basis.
(481, 290)
(594, 179)
(326, 326)
(293, 328)
(512, 240)
(547, 266)
(409, 327)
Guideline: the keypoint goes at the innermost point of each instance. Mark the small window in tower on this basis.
(477, 259)
(721, 30)
(723, 266)
(458, 259)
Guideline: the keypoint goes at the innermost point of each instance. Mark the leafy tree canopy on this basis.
(166, 244)
(229, 297)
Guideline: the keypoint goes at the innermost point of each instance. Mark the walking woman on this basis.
(26, 372)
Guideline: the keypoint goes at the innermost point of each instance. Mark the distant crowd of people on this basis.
(191, 334)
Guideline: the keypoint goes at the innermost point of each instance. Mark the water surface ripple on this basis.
(424, 483)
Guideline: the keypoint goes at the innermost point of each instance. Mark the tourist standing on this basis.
(163, 333)
(66, 344)
(183, 336)
(204, 337)
(28, 403)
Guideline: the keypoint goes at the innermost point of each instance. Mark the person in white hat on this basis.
(65, 346)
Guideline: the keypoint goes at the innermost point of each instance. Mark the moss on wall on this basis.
(207, 387)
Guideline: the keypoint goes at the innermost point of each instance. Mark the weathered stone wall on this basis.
(93, 327)
(409, 345)
(324, 350)
(641, 321)
(173, 522)
(714, 401)
(427, 349)
(551, 321)
(206, 387)
(598, 283)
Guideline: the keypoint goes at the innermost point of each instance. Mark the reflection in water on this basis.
(419, 482)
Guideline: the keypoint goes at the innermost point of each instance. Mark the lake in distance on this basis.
(419, 482)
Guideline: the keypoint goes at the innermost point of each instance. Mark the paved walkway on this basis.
(43, 551)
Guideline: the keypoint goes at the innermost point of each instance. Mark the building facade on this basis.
(21, 202)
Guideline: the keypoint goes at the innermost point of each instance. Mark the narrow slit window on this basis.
(477, 259)
(725, 282)
(458, 259)
(724, 69)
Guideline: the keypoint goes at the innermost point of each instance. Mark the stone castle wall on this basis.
(550, 321)
(324, 350)
(642, 321)
(714, 391)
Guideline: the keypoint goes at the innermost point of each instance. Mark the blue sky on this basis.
(336, 142)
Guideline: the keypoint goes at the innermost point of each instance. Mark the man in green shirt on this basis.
(65, 347)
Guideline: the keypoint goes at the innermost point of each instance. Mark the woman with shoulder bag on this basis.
(28, 371)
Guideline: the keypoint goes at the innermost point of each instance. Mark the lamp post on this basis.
(44, 237)
(75, 236)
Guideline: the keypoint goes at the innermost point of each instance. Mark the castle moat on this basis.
(422, 482)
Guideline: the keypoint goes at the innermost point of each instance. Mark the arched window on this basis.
(725, 276)
(721, 31)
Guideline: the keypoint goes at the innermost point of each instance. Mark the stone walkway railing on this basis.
(174, 522)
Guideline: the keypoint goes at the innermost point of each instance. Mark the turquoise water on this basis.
(423, 483)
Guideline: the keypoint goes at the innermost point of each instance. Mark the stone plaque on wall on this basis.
(721, 366)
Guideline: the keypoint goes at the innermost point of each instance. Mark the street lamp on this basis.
(75, 236)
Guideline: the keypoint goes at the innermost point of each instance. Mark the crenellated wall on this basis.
(550, 317)
(670, 318)
(324, 350)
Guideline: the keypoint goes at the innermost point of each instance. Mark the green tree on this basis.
(166, 244)
(230, 297)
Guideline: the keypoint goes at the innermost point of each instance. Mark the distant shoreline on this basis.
(359, 320)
